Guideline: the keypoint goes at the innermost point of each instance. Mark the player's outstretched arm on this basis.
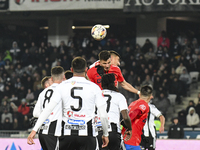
(162, 121)
(129, 87)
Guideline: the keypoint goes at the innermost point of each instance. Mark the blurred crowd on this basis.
(165, 66)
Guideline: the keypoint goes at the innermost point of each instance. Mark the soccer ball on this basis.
(98, 32)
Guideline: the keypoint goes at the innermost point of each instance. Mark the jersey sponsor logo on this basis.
(75, 127)
(71, 113)
(77, 115)
(143, 107)
(76, 122)
(73, 82)
(46, 121)
(100, 128)
(44, 127)
(98, 124)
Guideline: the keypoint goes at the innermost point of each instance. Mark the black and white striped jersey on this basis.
(52, 124)
(116, 102)
(149, 126)
(79, 97)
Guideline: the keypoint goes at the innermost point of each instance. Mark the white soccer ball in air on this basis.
(98, 32)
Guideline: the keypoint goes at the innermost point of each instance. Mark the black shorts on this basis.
(77, 143)
(48, 142)
(114, 141)
(148, 143)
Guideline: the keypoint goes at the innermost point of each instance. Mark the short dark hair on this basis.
(104, 55)
(57, 70)
(114, 53)
(146, 90)
(108, 82)
(79, 65)
(68, 74)
(56, 73)
(46, 78)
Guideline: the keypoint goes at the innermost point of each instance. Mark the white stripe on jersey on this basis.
(55, 119)
(116, 102)
(94, 64)
(149, 125)
(79, 98)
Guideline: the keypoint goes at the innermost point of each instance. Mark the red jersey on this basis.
(96, 78)
(137, 122)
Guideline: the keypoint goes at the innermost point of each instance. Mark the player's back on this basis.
(140, 120)
(116, 102)
(150, 125)
(79, 97)
(52, 125)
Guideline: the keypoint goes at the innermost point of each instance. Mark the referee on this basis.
(149, 132)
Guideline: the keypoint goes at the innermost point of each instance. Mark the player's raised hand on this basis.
(31, 137)
(105, 141)
(127, 135)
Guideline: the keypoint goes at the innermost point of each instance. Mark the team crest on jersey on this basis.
(69, 113)
(143, 107)
(73, 82)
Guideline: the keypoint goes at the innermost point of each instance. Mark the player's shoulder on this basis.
(143, 107)
(152, 106)
(94, 64)
(64, 85)
(119, 95)
(93, 84)
(114, 67)
(91, 70)
(141, 104)
(44, 91)
(79, 80)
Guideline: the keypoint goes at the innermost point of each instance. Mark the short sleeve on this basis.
(89, 74)
(99, 97)
(143, 108)
(38, 108)
(122, 103)
(155, 111)
(120, 76)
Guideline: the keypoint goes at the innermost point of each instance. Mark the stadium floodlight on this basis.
(88, 27)
(44, 28)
